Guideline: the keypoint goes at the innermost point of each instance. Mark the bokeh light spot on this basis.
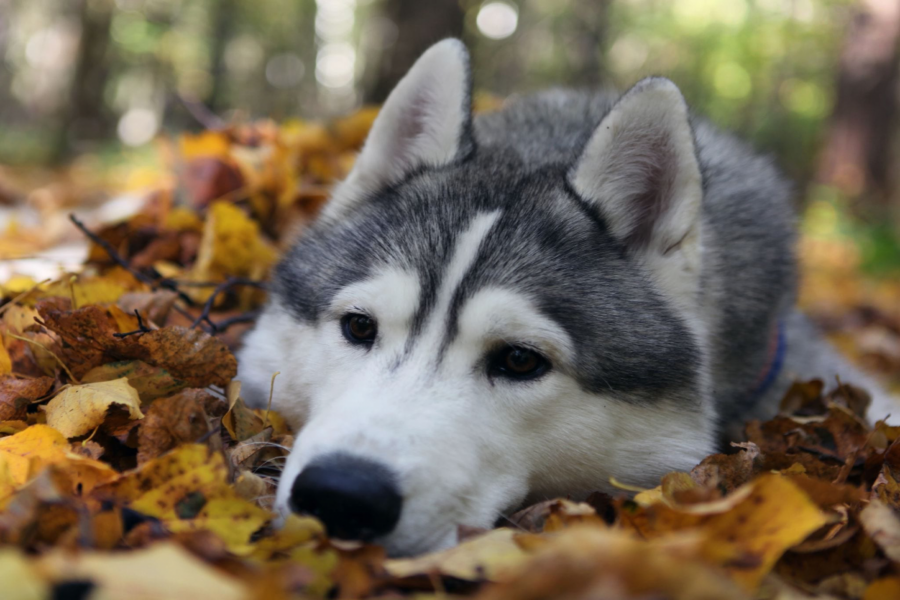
(497, 20)
(138, 126)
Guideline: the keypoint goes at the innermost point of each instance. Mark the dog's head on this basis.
(490, 311)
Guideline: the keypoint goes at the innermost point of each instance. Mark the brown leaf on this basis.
(190, 355)
(16, 393)
(153, 306)
(172, 421)
(727, 471)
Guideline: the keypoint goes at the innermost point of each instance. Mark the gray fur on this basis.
(550, 245)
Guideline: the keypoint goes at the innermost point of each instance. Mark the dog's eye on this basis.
(359, 329)
(520, 363)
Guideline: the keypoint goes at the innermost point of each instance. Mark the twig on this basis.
(117, 258)
(228, 283)
(113, 254)
(51, 352)
(141, 327)
(221, 326)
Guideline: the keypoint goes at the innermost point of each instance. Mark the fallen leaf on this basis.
(79, 409)
(172, 421)
(596, 562)
(190, 355)
(149, 381)
(883, 589)
(28, 452)
(490, 557)
(746, 532)
(162, 570)
(17, 393)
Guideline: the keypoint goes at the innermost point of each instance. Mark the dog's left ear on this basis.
(640, 169)
(426, 121)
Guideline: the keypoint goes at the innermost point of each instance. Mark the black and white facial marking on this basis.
(473, 320)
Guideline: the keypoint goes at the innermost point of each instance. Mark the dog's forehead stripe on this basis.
(436, 299)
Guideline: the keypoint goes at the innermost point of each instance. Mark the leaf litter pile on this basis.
(131, 468)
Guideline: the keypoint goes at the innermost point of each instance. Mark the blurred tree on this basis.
(419, 25)
(857, 156)
(86, 117)
(224, 16)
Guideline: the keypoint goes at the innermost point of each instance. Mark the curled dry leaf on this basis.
(172, 421)
(79, 409)
(16, 393)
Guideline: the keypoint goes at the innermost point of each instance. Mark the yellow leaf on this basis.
(745, 532)
(164, 570)
(207, 143)
(79, 409)
(232, 519)
(19, 317)
(883, 589)
(597, 562)
(37, 444)
(161, 483)
(5, 360)
(294, 532)
(188, 490)
(93, 290)
(487, 557)
(28, 452)
(231, 246)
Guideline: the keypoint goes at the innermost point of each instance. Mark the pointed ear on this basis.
(640, 170)
(426, 121)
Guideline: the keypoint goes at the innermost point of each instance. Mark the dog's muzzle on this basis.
(356, 498)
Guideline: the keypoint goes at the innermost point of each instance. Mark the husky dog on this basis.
(524, 304)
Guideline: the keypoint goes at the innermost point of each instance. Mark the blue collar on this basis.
(778, 348)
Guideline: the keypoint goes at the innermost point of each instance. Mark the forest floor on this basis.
(130, 465)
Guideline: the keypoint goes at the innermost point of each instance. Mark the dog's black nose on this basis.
(355, 498)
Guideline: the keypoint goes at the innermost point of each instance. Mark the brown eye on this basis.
(516, 362)
(359, 329)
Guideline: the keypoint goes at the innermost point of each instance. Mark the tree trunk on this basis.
(419, 25)
(857, 154)
(87, 117)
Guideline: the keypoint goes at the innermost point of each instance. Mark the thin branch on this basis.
(117, 258)
(141, 327)
(113, 254)
(222, 287)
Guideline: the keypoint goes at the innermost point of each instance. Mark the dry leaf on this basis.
(79, 409)
(163, 570)
(17, 393)
(489, 557)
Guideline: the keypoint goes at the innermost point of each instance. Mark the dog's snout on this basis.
(356, 499)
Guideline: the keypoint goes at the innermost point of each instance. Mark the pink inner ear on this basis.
(411, 126)
(646, 167)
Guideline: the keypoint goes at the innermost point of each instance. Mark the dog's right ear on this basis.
(426, 121)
